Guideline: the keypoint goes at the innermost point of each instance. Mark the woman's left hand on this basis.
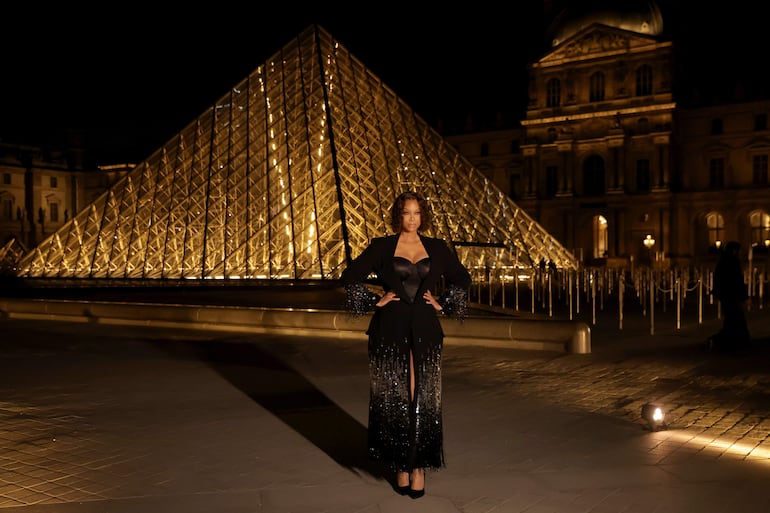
(431, 300)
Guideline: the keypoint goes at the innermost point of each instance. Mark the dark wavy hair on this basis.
(398, 207)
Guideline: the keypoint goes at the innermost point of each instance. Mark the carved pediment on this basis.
(597, 39)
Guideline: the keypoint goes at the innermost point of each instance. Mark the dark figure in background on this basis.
(730, 290)
(406, 339)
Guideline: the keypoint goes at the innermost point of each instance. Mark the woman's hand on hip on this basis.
(387, 298)
(431, 300)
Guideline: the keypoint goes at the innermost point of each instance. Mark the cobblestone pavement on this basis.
(100, 418)
(702, 391)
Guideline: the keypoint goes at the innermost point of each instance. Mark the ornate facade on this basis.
(41, 189)
(609, 163)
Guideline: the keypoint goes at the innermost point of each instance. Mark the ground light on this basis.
(654, 415)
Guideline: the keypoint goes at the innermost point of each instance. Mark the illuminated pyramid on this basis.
(287, 176)
(10, 254)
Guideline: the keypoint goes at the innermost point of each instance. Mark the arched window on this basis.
(759, 221)
(553, 93)
(644, 80)
(593, 176)
(600, 236)
(715, 224)
(597, 87)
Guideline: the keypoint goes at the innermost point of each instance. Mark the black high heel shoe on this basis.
(402, 490)
(416, 494)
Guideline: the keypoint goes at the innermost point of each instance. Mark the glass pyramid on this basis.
(10, 254)
(287, 176)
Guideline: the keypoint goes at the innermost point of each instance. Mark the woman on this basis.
(406, 338)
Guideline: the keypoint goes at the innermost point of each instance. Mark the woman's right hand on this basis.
(387, 298)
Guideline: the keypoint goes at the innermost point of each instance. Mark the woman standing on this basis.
(406, 339)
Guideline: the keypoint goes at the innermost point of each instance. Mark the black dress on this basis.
(402, 433)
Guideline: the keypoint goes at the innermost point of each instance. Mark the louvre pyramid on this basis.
(287, 176)
(10, 254)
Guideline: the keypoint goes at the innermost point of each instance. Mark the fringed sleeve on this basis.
(359, 299)
(454, 301)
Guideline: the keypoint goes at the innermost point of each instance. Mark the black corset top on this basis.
(411, 274)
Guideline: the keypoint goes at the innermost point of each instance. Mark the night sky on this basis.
(128, 80)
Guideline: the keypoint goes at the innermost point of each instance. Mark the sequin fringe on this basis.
(359, 299)
(454, 301)
(402, 434)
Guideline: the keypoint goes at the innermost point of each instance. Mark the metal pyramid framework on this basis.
(10, 254)
(287, 176)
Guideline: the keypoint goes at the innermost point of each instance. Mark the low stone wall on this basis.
(495, 331)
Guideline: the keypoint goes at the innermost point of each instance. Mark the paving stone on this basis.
(96, 418)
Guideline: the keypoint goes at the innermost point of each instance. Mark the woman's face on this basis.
(410, 216)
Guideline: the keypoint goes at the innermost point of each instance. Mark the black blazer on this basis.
(403, 318)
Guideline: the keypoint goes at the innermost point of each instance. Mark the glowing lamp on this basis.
(654, 415)
(648, 241)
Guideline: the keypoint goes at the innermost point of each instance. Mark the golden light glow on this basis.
(186, 215)
(602, 114)
(648, 241)
(753, 453)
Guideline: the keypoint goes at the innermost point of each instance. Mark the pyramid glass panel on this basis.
(10, 255)
(287, 176)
